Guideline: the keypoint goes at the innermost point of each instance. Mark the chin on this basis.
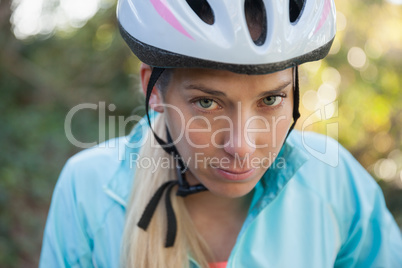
(231, 189)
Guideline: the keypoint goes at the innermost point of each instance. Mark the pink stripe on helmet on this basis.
(324, 15)
(162, 9)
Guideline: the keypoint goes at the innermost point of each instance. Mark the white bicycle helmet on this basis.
(220, 34)
(174, 33)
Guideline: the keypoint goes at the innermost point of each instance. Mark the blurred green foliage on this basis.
(44, 76)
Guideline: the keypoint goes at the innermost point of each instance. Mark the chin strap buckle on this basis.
(185, 191)
(184, 188)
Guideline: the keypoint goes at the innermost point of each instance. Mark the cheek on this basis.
(197, 132)
(282, 129)
(274, 132)
(191, 134)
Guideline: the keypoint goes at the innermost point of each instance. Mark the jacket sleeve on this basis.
(65, 241)
(372, 237)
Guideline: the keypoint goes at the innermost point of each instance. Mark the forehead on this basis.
(229, 81)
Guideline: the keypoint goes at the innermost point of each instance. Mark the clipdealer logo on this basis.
(327, 152)
(201, 161)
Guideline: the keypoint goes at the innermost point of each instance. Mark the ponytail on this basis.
(145, 249)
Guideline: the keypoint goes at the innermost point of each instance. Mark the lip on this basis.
(235, 175)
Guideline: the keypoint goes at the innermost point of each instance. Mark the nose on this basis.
(239, 143)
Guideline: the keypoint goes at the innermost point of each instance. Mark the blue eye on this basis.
(272, 100)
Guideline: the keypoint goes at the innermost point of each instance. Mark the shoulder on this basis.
(104, 172)
(334, 174)
(93, 165)
(89, 203)
(98, 165)
(343, 185)
(318, 147)
(82, 209)
(325, 154)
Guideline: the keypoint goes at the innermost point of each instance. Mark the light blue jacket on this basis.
(315, 207)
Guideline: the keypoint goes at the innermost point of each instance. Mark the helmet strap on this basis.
(156, 73)
(184, 188)
(296, 98)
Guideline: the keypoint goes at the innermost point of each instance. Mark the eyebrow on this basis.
(205, 90)
(209, 91)
(275, 90)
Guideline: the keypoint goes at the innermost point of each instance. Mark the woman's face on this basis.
(228, 127)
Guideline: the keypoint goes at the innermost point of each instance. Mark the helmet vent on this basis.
(203, 10)
(295, 9)
(256, 17)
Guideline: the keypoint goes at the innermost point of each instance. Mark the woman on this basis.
(231, 184)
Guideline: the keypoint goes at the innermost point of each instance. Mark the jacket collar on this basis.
(289, 161)
(120, 185)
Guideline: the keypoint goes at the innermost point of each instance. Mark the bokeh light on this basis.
(396, 155)
(26, 17)
(79, 11)
(33, 17)
(331, 76)
(312, 67)
(341, 21)
(330, 110)
(326, 93)
(396, 2)
(104, 37)
(385, 169)
(310, 100)
(382, 142)
(357, 58)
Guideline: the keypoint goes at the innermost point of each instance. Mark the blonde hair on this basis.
(147, 248)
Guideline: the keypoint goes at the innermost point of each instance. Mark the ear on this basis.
(155, 101)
